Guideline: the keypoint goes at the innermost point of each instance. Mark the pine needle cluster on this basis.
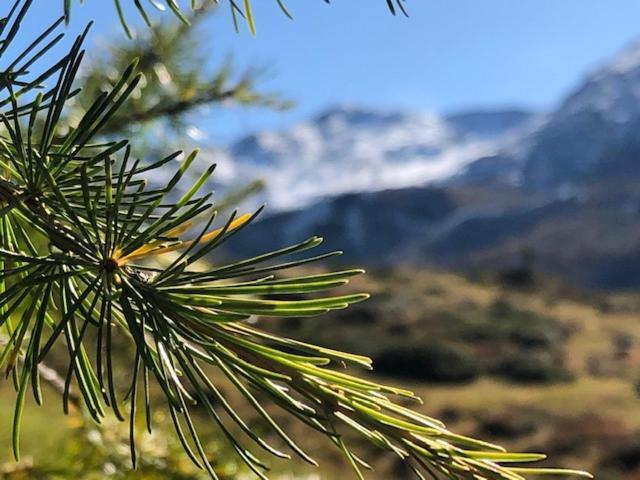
(81, 232)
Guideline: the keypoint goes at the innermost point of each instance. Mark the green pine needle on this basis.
(90, 253)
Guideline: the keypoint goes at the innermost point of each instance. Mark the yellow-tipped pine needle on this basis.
(154, 248)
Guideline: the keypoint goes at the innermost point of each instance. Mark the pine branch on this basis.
(179, 107)
(80, 235)
(239, 10)
(170, 58)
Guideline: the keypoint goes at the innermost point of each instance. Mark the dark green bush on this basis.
(508, 425)
(533, 367)
(504, 322)
(533, 335)
(431, 363)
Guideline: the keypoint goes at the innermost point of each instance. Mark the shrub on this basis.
(533, 367)
(430, 362)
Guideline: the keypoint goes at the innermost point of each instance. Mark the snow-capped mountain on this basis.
(591, 135)
(593, 130)
(484, 186)
(351, 149)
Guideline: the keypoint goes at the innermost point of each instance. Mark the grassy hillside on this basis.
(543, 368)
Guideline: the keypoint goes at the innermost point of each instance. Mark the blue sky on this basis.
(447, 56)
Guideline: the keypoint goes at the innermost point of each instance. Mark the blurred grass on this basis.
(589, 419)
(44, 427)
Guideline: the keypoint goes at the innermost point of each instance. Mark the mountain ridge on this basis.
(355, 149)
(477, 189)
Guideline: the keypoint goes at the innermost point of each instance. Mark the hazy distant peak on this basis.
(626, 61)
(613, 89)
(351, 148)
(596, 123)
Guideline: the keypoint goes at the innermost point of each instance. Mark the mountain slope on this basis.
(595, 124)
(349, 149)
(366, 226)
(485, 186)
